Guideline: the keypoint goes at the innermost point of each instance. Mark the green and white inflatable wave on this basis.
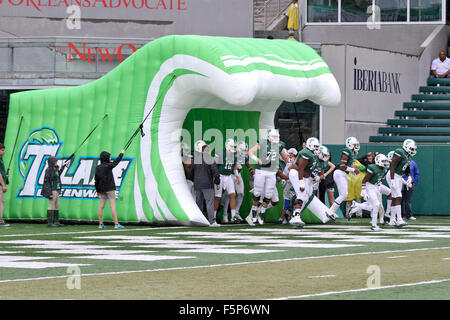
(179, 73)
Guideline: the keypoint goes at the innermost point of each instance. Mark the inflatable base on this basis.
(315, 212)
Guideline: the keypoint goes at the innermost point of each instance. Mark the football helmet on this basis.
(242, 148)
(230, 145)
(409, 145)
(274, 136)
(198, 145)
(382, 161)
(313, 145)
(352, 143)
(323, 153)
(390, 155)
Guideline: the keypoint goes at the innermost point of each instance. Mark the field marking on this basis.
(324, 276)
(396, 257)
(225, 265)
(93, 231)
(361, 290)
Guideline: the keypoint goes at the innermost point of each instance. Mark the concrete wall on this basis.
(129, 19)
(399, 38)
(374, 83)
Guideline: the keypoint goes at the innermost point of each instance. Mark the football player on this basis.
(288, 191)
(348, 157)
(242, 159)
(227, 165)
(370, 191)
(300, 176)
(400, 162)
(270, 151)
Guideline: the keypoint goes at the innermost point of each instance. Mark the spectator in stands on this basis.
(3, 185)
(440, 67)
(414, 173)
(292, 15)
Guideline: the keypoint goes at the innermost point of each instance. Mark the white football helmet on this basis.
(185, 149)
(313, 145)
(409, 145)
(352, 143)
(242, 148)
(273, 136)
(382, 161)
(390, 155)
(323, 153)
(198, 145)
(230, 145)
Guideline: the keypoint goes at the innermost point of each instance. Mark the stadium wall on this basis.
(126, 19)
(374, 83)
(431, 195)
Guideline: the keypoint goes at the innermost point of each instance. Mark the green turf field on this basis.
(345, 260)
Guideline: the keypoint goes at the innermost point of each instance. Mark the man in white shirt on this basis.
(440, 67)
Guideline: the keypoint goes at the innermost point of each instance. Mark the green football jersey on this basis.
(377, 173)
(351, 156)
(270, 155)
(226, 162)
(307, 155)
(404, 162)
(319, 166)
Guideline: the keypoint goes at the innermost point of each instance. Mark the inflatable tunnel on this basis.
(182, 83)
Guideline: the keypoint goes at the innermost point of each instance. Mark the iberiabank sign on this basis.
(377, 83)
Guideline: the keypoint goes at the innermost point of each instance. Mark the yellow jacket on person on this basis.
(292, 15)
(354, 183)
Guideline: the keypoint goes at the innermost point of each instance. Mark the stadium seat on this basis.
(418, 122)
(433, 89)
(441, 82)
(426, 105)
(430, 97)
(415, 130)
(423, 113)
(430, 139)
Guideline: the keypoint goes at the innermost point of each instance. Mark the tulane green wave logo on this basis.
(77, 181)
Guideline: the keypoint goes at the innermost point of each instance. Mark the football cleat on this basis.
(237, 218)
(249, 220)
(259, 219)
(225, 218)
(375, 228)
(214, 224)
(401, 223)
(297, 221)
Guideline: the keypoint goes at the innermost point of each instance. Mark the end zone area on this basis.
(233, 262)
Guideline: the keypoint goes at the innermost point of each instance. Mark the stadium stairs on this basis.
(425, 119)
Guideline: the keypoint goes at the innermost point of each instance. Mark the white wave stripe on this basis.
(233, 57)
(247, 61)
(302, 62)
(138, 198)
(293, 61)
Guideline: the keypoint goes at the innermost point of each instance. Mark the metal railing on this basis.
(273, 9)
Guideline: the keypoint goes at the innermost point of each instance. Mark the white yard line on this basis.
(324, 276)
(82, 232)
(361, 290)
(226, 265)
(396, 257)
